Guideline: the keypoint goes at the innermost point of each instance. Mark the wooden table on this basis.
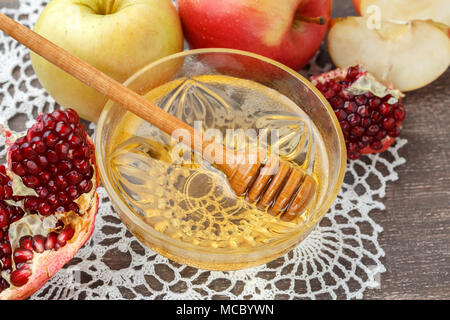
(416, 222)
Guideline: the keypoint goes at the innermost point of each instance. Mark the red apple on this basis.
(288, 31)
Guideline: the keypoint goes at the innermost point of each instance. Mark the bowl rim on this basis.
(140, 224)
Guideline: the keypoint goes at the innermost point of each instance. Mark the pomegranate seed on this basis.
(360, 100)
(350, 107)
(354, 119)
(27, 151)
(21, 140)
(6, 263)
(381, 135)
(366, 122)
(61, 182)
(74, 140)
(43, 162)
(366, 140)
(81, 165)
(376, 116)
(65, 236)
(400, 114)
(85, 186)
(7, 192)
(52, 186)
(49, 122)
(22, 265)
(31, 203)
(3, 218)
(337, 102)
(50, 138)
(62, 149)
(38, 243)
(5, 248)
(352, 73)
(89, 174)
(73, 193)
(44, 176)
(19, 169)
(388, 123)
(354, 156)
(64, 166)
(39, 145)
(395, 132)
(54, 169)
(3, 284)
(363, 111)
(329, 94)
(344, 94)
(385, 109)
(352, 148)
(16, 155)
(52, 156)
(373, 129)
(374, 102)
(31, 181)
(62, 129)
(341, 114)
(59, 115)
(63, 198)
(20, 277)
(32, 167)
(73, 207)
(45, 209)
(357, 131)
(74, 177)
(387, 98)
(72, 116)
(42, 192)
(35, 131)
(51, 241)
(26, 242)
(53, 200)
(22, 255)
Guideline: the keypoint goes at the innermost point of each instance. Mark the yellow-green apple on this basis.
(407, 55)
(289, 31)
(117, 37)
(405, 10)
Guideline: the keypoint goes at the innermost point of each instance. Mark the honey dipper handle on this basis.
(94, 78)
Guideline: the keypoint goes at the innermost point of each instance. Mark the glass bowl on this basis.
(243, 65)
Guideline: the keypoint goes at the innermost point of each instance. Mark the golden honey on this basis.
(189, 199)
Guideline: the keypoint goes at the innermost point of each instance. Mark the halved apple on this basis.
(406, 55)
(405, 10)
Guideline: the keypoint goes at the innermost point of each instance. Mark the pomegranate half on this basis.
(48, 201)
(370, 113)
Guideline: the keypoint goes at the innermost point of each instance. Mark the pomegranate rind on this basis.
(46, 265)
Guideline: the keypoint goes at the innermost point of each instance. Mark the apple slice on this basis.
(406, 55)
(406, 10)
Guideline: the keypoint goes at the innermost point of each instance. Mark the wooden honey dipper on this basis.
(276, 185)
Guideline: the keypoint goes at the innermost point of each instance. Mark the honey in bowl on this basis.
(192, 201)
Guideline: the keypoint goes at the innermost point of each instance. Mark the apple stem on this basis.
(317, 20)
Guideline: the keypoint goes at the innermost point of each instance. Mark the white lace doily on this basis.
(340, 259)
